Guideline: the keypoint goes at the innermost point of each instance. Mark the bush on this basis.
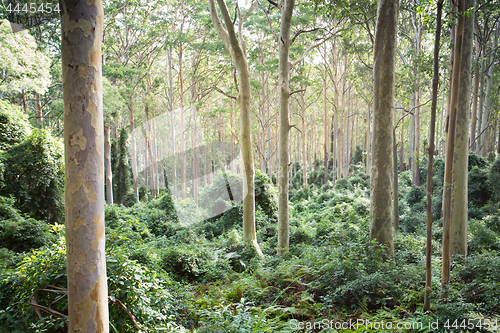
(266, 195)
(14, 127)
(479, 191)
(25, 234)
(34, 176)
(190, 263)
(151, 296)
(494, 180)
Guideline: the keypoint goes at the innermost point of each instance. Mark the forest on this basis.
(249, 166)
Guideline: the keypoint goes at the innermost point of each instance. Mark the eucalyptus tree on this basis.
(435, 81)
(383, 96)
(81, 26)
(236, 46)
(459, 199)
(450, 147)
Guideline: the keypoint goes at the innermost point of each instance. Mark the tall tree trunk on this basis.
(416, 158)
(84, 159)
(284, 77)
(182, 127)
(481, 103)
(133, 151)
(383, 98)
(450, 147)
(304, 137)
(487, 98)
(39, 113)
(326, 146)
(395, 190)
(430, 162)
(368, 141)
(173, 185)
(238, 53)
(107, 164)
(459, 202)
(472, 140)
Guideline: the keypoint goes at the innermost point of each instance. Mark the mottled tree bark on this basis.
(459, 202)
(81, 27)
(383, 98)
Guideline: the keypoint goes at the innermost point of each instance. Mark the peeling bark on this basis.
(81, 26)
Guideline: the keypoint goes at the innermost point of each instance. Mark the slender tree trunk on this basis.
(237, 50)
(304, 137)
(459, 202)
(450, 147)
(368, 141)
(84, 158)
(133, 151)
(472, 140)
(395, 190)
(326, 118)
(284, 77)
(487, 98)
(383, 98)
(107, 163)
(39, 113)
(481, 104)
(430, 162)
(182, 127)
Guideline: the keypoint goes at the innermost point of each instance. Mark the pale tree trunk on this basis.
(84, 159)
(304, 137)
(368, 141)
(39, 113)
(395, 190)
(107, 163)
(459, 202)
(133, 151)
(487, 97)
(284, 77)
(383, 98)
(238, 53)
(481, 103)
(450, 147)
(326, 122)
(416, 158)
(183, 127)
(173, 186)
(432, 130)
(472, 140)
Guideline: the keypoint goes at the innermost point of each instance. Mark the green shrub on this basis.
(25, 234)
(14, 127)
(34, 176)
(478, 191)
(266, 195)
(416, 197)
(480, 237)
(7, 210)
(479, 277)
(155, 300)
(494, 180)
(343, 184)
(193, 262)
(477, 161)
